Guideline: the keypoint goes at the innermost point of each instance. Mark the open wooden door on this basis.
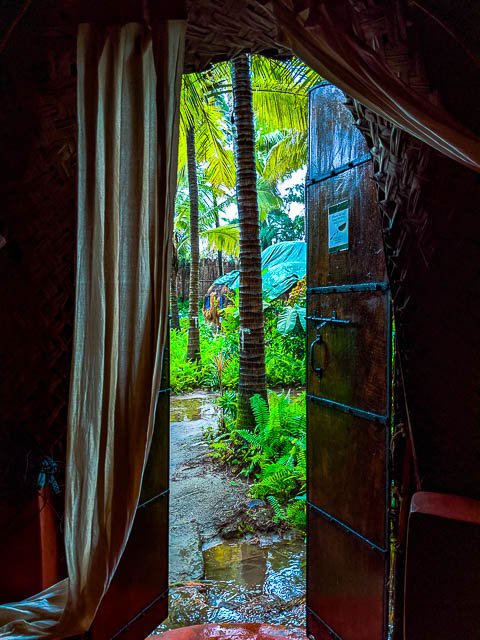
(348, 382)
(136, 601)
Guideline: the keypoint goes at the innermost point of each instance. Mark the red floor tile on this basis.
(247, 631)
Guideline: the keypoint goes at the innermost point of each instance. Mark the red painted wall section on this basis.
(30, 548)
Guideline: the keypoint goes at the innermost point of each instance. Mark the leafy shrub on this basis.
(184, 374)
(274, 453)
(291, 318)
(284, 354)
(228, 404)
(219, 366)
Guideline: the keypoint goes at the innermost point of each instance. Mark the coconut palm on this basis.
(193, 349)
(278, 93)
(202, 138)
(175, 321)
(252, 379)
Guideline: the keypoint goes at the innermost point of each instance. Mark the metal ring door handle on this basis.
(316, 370)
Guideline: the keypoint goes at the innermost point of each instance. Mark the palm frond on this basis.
(268, 197)
(224, 238)
(288, 154)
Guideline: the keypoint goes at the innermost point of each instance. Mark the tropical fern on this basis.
(260, 411)
(279, 514)
(252, 438)
(274, 453)
(296, 514)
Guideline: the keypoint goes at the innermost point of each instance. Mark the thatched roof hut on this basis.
(422, 124)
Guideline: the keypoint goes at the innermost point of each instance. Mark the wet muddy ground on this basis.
(229, 562)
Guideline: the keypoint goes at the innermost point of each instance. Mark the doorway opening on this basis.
(333, 322)
(238, 487)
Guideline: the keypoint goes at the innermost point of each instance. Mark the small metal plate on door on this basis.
(338, 227)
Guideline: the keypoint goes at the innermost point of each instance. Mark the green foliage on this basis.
(285, 354)
(200, 110)
(279, 226)
(278, 511)
(286, 156)
(225, 238)
(184, 373)
(219, 369)
(274, 452)
(290, 318)
(228, 404)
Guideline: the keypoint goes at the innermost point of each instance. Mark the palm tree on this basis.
(217, 225)
(252, 378)
(279, 93)
(175, 322)
(201, 120)
(193, 349)
(279, 98)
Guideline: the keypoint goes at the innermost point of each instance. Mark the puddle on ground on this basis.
(184, 409)
(244, 582)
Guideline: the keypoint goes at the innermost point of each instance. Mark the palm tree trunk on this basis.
(175, 323)
(217, 224)
(252, 341)
(193, 349)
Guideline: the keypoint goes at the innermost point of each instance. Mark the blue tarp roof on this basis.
(283, 265)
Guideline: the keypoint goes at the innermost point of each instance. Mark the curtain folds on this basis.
(128, 97)
(329, 46)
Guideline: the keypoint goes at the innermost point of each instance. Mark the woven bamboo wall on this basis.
(38, 156)
(208, 273)
(430, 214)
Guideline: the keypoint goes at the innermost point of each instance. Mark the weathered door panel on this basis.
(352, 582)
(136, 601)
(348, 382)
(351, 357)
(346, 459)
(364, 261)
(328, 116)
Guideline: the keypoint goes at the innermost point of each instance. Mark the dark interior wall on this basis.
(430, 209)
(450, 39)
(37, 220)
(438, 254)
(434, 264)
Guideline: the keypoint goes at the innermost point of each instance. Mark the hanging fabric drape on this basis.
(322, 35)
(128, 97)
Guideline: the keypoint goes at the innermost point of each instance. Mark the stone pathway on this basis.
(229, 562)
(203, 497)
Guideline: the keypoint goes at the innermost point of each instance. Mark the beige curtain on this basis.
(128, 97)
(323, 36)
